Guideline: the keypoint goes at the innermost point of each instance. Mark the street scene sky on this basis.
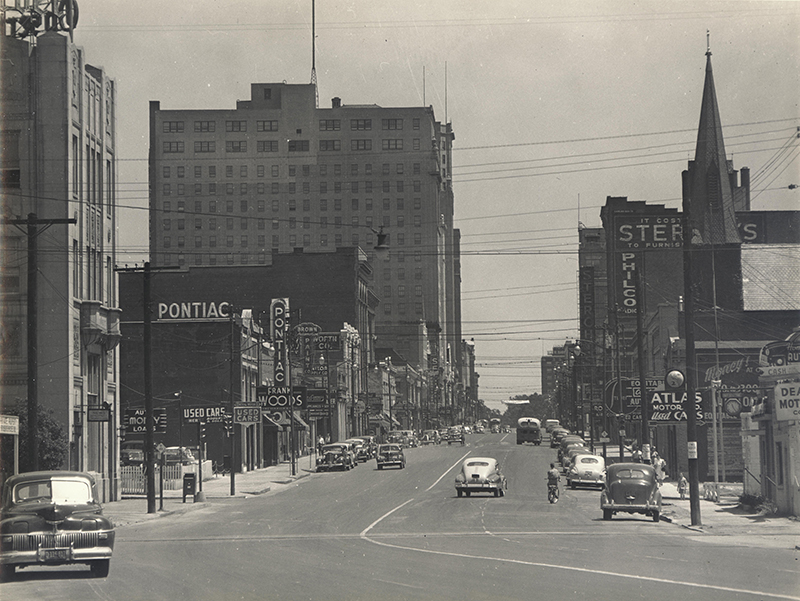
(555, 106)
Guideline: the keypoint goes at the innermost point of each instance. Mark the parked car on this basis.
(360, 450)
(572, 451)
(481, 474)
(131, 456)
(182, 455)
(390, 454)
(53, 518)
(586, 470)
(549, 424)
(556, 434)
(336, 456)
(630, 488)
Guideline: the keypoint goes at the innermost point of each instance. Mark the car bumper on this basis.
(28, 549)
(390, 462)
(646, 508)
(479, 486)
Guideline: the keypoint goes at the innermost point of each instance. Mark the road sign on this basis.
(247, 414)
(9, 424)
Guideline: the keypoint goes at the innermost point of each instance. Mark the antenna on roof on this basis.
(314, 50)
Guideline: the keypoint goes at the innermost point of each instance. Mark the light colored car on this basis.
(390, 454)
(630, 488)
(182, 455)
(586, 470)
(481, 474)
(360, 449)
(54, 518)
(566, 458)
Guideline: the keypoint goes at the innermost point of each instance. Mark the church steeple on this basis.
(712, 205)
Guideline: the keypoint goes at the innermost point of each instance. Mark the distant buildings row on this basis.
(273, 199)
(745, 286)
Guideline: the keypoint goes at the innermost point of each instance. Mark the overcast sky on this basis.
(555, 106)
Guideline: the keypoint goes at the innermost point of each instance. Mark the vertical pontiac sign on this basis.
(635, 233)
(279, 317)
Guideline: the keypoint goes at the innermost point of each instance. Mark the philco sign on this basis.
(787, 401)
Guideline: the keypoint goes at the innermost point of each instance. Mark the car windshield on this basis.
(630, 474)
(390, 448)
(57, 491)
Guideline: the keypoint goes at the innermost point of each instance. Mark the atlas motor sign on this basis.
(787, 401)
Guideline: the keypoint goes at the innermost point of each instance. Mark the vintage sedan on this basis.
(336, 456)
(360, 449)
(53, 518)
(390, 454)
(586, 470)
(481, 474)
(630, 488)
(566, 458)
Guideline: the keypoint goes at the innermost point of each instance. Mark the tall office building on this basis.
(59, 289)
(275, 174)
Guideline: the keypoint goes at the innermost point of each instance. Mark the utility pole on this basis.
(691, 370)
(32, 231)
(150, 425)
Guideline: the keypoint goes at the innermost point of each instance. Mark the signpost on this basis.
(247, 414)
(9, 424)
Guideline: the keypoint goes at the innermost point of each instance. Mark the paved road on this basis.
(403, 534)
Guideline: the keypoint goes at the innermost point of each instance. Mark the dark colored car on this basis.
(556, 435)
(54, 518)
(390, 454)
(336, 456)
(630, 488)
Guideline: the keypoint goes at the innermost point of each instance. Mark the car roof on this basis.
(61, 474)
(490, 460)
(616, 467)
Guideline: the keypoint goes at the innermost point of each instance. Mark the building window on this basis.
(292, 240)
(212, 170)
(243, 171)
(228, 189)
(400, 204)
(262, 224)
(198, 189)
(415, 123)
(275, 241)
(401, 239)
(368, 187)
(205, 146)
(167, 242)
(275, 224)
(330, 124)
(212, 223)
(415, 145)
(399, 185)
(356, 145)
(298, 146)
(260, 170)
(323, 222)
(235, 126)
(235, 146)
(323, 239)
(181, 189)
(330, 145)
(243, 241)
(354, 187)
(276, 206)
(212, 242)
(418, 290)
(417, 238)
(261, 188)
(205, 126)
(242, 189)
(229, 241)
(172, 147)
(361, 124)
(243, 206)
(267, 146)
(387, 308)
(198, 223)
(418, 273)
(354, 221)
(165, 172)
(392, 124)
(198, 242)
(401, 221)
(173, 127)
(266, 126)
(392, 144)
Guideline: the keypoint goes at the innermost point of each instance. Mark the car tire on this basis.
(7, 572)
(496, 492)
(607, 513)
(656, 516)
(380, 467)
(459, 493)
(100, 568)
(466, 492)
(572, 485)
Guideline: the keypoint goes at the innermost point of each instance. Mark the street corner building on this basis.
(60, 315)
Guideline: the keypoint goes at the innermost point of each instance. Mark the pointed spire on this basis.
(712, 195)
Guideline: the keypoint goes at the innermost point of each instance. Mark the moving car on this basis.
(390, 454)
(630, 488)
(182, 455)
(359, 449)
(556, 434)
(586, 470)
(336, 456)
(54, 518)
(455, 434)
(549, 424)
(430, 437)
(481, 474)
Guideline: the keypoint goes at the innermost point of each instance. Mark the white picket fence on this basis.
(133, 479)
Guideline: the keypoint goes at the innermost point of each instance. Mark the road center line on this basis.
(439, 479)
(576, 569)
(384, 516)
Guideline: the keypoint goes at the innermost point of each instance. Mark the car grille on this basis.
(31, 542)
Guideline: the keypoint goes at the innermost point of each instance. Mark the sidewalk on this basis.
(727, 519)
(132, 509)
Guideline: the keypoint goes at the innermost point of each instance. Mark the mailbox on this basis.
(189, 486)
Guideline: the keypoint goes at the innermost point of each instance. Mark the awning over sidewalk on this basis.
(283, 422)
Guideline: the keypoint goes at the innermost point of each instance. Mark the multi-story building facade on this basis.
(59, 176)
(229, 187)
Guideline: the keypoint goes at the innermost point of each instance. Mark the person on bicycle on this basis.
(553, 476)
